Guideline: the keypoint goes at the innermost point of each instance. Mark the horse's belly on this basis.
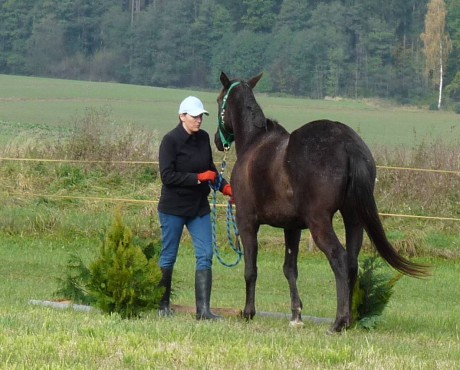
(280, 215)
(286, 224)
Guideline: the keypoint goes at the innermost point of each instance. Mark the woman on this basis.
(186, 170)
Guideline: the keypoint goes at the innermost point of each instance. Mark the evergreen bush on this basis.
(74, 286)
(372, 293)
(123, 279)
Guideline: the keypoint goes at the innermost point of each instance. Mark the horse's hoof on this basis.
(296, 323)
(335, 330)
(246, 316)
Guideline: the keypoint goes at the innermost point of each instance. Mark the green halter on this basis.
(226, 137)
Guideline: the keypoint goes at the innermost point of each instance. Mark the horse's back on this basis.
(319, 155)
(326, 141)
(326, 132)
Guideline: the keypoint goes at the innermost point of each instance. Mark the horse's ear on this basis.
(253, 81)
(224, 80)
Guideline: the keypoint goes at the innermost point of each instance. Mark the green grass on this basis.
(419, 328)
(53, 102)
(377, 124)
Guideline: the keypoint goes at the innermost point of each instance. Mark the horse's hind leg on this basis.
(327, 241)
(354, 239)
(292, 239)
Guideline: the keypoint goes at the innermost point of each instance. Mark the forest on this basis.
(312, 48)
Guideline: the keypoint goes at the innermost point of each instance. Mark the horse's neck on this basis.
(251, 123)
(251, 126)
(272, 135)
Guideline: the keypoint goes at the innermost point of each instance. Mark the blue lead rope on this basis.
(235, 245)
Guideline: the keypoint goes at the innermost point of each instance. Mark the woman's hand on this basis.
(227, 190)
(207, 176)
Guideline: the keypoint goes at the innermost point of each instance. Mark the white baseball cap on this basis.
(192, 106)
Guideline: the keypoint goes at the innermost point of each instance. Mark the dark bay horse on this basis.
(298, 181)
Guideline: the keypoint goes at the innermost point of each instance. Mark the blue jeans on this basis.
(201, 232)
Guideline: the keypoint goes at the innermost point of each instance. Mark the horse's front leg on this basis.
(248, 236)
(292, 239)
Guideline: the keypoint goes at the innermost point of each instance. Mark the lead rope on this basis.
(231, 223)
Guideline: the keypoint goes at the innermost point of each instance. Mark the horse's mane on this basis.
(258, 115)
(273, 125)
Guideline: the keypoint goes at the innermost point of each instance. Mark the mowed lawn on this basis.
(418, 330)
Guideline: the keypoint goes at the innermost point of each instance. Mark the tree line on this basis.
(313, 48)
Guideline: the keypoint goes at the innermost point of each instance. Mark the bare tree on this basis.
(437, 43)
(135, 8)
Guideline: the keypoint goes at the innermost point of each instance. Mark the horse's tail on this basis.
(361, 189)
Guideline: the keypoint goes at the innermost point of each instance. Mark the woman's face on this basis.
(192, 124)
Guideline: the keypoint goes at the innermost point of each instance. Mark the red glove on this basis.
(227, 190)
(207, 176)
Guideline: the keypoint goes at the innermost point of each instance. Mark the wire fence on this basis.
(156, 163)
(146, 201)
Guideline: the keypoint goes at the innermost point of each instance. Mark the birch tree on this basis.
(437, 43)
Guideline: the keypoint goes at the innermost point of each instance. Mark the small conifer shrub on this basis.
(123, 279)
(74, 285)
(372, 293)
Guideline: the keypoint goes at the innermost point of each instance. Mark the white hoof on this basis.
(296, 324)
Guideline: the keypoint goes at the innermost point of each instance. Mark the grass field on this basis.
(26, 101)
(419, 329)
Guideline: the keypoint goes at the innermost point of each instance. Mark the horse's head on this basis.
(225, 127)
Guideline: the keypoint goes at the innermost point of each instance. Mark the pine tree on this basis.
(123, 280)
(372, 293)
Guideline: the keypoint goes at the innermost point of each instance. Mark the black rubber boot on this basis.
(165, 304)
(203, 284)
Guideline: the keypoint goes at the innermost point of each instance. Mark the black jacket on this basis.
(182, 158)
